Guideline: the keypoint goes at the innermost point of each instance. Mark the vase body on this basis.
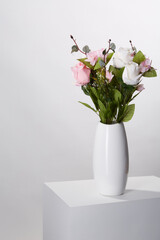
(110, 159)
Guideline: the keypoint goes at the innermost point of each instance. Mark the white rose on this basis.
(131, 74)
(122, 57)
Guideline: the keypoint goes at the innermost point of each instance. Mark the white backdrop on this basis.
(45, 134)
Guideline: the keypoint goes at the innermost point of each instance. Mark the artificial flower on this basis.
(122, 57)
(92, 57)
(81, 74)
(109, 75)
(145, 65)
(131, 74)
(140, 87)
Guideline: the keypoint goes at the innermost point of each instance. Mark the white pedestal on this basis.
(73, 210)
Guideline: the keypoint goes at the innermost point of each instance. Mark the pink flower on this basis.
(145, 65)
(81, 74)
(109, 75)
(92, 57)
(140, 87)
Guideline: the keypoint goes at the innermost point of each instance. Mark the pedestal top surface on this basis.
(83, 192)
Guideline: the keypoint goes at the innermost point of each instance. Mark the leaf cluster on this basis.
(111, 100)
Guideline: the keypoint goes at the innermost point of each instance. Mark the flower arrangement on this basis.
(112, 88)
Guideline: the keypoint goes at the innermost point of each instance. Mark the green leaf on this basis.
(121, 112)
(150, 73)
(88, 106)
(117, 72)
(139, 57)
(85, 62)
(103, 111)
(101, 63)
(94, 98)
(109, 56)
(86, 49)
(94, 91)
(113, 46)
(128, 113)
(113, 110)
(85, 90)
(98, 64)
(74, 49)
(102, 117)
(101, 106)
(117, 95)
(127, 92)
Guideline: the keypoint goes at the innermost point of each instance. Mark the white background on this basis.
(45, 134)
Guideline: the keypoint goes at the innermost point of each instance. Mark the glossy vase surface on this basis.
(110, 159)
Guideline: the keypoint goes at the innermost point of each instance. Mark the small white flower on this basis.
(131, 74)
(122, 57)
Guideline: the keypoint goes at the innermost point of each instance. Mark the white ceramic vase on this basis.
(110, 159)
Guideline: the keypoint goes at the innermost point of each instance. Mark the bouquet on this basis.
(112, 87)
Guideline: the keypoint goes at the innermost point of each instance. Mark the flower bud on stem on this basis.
(133, 48)
(109, 41)
(76, 44)
(106, 52)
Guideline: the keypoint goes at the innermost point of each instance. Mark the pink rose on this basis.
(140, 87)
(109, 75)
(145, 65)
(81, 74)
(92, 57)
